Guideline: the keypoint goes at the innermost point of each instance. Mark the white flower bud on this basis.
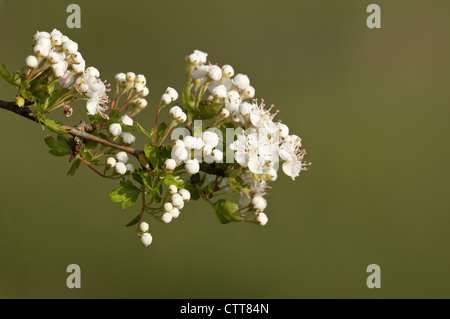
(172, 189)
(77, 58)
(143, 226)
(192, 166)
(220, 91)
(166, 217)
(120, 77)
(182, 118)
(170, 164)
(130, 77)
(215, 73)
(202, 56)
(224, 113)
(228, 71)
(83, 88)
(145, 92)
(198, 143)
(40, 50)
(140, 79)
(189, 141)
(165, 99)
(249, 92)
(207, 149)
(210, 138)
(138, 87)
(241, 81)
(92, 72)
(168, 206)
(217, 155)
(78, 68)
(172, 93)
(262, 219)
(185, 194)
(180, 207)
(283, 129)
(146, 239)
(259, 203)
(245, 108)
(70, 47)
(175, 213)
(177, 200)
(194, 58)
(200, 72)
(56, 40)
(120, 168)
(31, 61)
(122, 157)
(130, 168)
(59, 72)
(125, 119)
(175, 112)
(54, 57)
(271, 174)
(115, 129)
(111, 162)
(141, 103)
(179, 154)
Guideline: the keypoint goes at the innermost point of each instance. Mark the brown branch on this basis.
(83, 130)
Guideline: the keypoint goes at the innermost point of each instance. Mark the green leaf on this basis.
(153, 154)
(237, 183)
(224, 211)
(169, 179)
(161, 130)
(127, 193)
(74, 167)
(188, 98)
(209, 110)
(134, 221)
(59, 147)
(4, 73)
(144, 131)
(54, 126)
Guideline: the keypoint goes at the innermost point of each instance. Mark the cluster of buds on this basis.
(119, 163)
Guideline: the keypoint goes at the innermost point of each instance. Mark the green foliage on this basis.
(144, 131)
(208, 110)
(61, 146)
(127, 193)
(237, 183)
(13, 79)
(74, 167)
(134, 221)
(225, 211)
(53, 126)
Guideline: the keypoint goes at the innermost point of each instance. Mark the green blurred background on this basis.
(372, 107)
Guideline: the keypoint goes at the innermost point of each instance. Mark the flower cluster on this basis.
(225, 142)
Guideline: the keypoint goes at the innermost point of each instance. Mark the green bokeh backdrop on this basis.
(372, 107)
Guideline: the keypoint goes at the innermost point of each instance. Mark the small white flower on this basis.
(40, 50)
(175, 213)
(224, 113)
(70, 47)
(78, 68)
(185, 194)
(146, 239)
(138, 87)
(120, 168)
(200, 72)
(172, 189)
(119, 77)
(122, 157)
(217, 155)
(241, 81)
(198, 144)
(259, 203)
(130, 77)
(192, 166)
(111, 162)
(228, 70)
(215, 73)
(179, 154)
(210, 138)
(143, 226)
(168, 206)
(128, 138)
(220, 91)
(189, 141)
(115, 129)
(125, 119)
(172, 93)
(245, 108)
(31, 61)
(140, 79)
(176, 112)
(182, 118)
(207, 149)
(262, 219)
(249, 92)
(141, 103)
(177, 200)
(283, 129)
(166, 217)
(77, 58)
(145, 92)
(170, 164)
(165, 99)
(202, 56)
(130, 168)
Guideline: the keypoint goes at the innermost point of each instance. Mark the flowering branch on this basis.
(238, 153)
